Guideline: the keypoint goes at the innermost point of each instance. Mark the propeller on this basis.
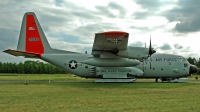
(151, 51)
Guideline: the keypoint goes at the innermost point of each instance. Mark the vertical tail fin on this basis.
(32, 38)
(32, 41)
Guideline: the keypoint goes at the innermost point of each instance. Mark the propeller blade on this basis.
(151, 50)
(150, 62)
(150, 47)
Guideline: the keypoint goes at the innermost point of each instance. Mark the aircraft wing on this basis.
(109, 42)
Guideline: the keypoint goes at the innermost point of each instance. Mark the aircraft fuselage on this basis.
(160, 66)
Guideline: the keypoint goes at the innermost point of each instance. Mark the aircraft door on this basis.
(86, 69)
(173, 70)
(184, 69)
(89, 71)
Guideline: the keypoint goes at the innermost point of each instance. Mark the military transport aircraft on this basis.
(111, 59)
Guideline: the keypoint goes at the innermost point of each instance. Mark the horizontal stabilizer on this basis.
(21, 53)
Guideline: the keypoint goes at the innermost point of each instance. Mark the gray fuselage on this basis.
(162, 66)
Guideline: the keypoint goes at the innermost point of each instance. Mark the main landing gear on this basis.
(174, 80)
(156, 80)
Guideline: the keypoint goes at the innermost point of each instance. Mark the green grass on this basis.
(42, 77)
(98, 97)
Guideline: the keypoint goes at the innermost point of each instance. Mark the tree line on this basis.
(30, 67)
(194, 61)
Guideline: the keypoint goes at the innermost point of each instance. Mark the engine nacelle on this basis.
(115, 62)
(134, 53)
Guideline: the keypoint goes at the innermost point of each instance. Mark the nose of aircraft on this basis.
(193, 69)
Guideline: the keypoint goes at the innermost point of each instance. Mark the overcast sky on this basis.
(174, 25)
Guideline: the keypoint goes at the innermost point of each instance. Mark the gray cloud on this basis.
(187, 13)
(86, 32)
(146, 29)
(114, 5)
(141, 15)
(137, 44)
(177, 46)
(8, 38)
(165, 46)
(151, 6)
(185, 49)
(52, 19)
(105, 10)
(189, 26)
(58, 2)
(140, 28)
(65, 17)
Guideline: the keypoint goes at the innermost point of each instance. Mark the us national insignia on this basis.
(73, 64)
(114, 41)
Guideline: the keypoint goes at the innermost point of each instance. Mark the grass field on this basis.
(96, 97)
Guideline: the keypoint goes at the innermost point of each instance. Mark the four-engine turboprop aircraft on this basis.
(111, 59)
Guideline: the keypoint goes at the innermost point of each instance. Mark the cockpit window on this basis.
(185, 65)
(182, 58)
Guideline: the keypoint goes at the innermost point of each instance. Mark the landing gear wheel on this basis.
(156, 80)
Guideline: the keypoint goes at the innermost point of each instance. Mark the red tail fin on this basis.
(33, 39)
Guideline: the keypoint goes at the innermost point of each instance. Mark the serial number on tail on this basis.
(34, 39)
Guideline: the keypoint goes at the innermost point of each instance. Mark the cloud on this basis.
(177, 46)
(150, 8)
(185, 49)
(70, 25)
(8, 38)
(187, 14)
(112, 10)
(121, 10)
(137, 44)
(165, 46)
